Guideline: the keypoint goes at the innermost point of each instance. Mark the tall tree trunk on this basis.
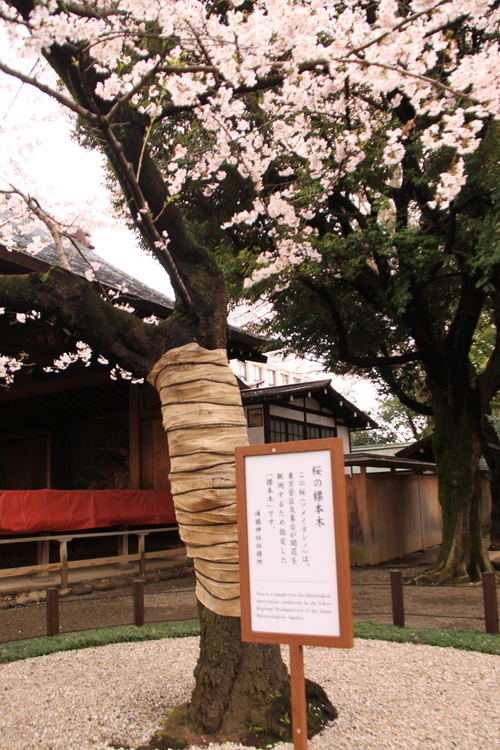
(236, 683)
(494, 467)
(457, 449)
(493, 460)
(241, 689)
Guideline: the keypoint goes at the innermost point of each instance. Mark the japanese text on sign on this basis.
(291, 545)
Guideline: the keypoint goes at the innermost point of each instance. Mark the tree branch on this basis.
(158, 242)
(64, 100)
(49, 222)
(85, 10)
(342, 339)
(120, 336)
(169, 69)
(489, 380)
(467, 314)
(397, 27)
(108, 330)
(400, 393)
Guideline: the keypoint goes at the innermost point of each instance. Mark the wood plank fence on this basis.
(394, 511)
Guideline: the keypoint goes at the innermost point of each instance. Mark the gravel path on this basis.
(389, 696)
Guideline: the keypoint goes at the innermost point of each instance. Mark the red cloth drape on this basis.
(34, 511)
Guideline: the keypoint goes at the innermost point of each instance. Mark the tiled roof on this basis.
(139, 295)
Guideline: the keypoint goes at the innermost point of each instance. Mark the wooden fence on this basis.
(393, 508)
(490, 602)
(43, 567)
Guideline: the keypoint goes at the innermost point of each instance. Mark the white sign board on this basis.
(291, 546)
(290, 565)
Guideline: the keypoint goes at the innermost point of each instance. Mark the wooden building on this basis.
(79, 428)
(301, 411)
(78, 433)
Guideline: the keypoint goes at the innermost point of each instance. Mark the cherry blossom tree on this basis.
(400, 293)
(270, 103)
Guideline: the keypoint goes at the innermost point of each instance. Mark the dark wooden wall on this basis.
(96, 437)
(24, 462)
(149, 461)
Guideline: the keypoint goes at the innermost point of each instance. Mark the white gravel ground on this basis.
(389, 696)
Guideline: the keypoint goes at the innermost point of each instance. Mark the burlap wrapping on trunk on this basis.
(204, 422)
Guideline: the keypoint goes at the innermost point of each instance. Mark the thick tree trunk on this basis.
(457, 449)
(236, 683)
(242, 689)
(494, 466)
(204, 421)
(493, 460)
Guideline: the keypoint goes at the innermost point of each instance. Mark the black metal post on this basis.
(139, 603)
(490, 603)
(398, 605)
(53, 611)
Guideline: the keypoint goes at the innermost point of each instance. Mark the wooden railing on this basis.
(44, 567)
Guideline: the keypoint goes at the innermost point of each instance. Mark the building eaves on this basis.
(387, 462)
(322, 391)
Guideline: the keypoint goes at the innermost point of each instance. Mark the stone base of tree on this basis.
(178, 732)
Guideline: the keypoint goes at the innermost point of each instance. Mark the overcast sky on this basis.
(40, 157)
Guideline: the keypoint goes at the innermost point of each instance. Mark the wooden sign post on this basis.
(294, 553)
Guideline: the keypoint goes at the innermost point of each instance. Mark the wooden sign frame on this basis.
(339, 555)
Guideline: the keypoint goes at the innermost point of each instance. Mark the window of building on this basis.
(285, 431)
(327, 432)
(256, 373)
(288, 431)
(315, 431)
(240, 369)
(270, 377)
(278, 431)
(295, 431)
(283, 378)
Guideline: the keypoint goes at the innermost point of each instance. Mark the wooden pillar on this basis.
(63, 559)
(298, 695)
(418, 477)
(139, 603)
(364, 516)
(398, 606)
(490, 603)
(53, 611)
(134, 437)
(141, 543)
(42, 555)
(123, 545)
